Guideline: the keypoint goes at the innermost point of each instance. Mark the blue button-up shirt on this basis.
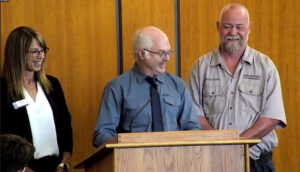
(126, 106)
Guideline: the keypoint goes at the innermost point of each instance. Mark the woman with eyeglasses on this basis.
(33, 104)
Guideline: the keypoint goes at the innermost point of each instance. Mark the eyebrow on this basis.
(234, 24)
(36, 49)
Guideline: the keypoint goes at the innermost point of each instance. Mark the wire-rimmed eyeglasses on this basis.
(162, 54)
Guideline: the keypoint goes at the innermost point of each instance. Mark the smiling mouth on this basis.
(162, 63)
(37, 62)
(233, 38)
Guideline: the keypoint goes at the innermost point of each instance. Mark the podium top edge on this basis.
(184, 143)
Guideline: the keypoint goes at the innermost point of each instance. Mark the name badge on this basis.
(20, 103)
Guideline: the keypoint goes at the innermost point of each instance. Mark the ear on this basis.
(141, 54)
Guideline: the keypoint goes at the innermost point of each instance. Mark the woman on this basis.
(33, 104)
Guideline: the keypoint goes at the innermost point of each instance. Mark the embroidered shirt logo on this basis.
(253, 77)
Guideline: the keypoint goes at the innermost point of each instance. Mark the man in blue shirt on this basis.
(129, 102)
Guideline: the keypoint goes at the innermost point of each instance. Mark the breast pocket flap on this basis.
(250, 89)
(174, 101)
(210, 91)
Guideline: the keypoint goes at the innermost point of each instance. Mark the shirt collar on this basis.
(217, 60)
(142, 76)
(247, 57)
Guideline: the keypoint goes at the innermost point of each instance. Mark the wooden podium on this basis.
(173, 151)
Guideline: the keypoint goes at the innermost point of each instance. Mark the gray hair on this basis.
(141, 40)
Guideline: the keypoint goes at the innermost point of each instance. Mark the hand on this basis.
(260, 128)
(204, 123)
(60, 170)
(66, 159)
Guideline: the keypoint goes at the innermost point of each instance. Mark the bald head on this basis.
(148, 37)
(234, 7)
(152, 50)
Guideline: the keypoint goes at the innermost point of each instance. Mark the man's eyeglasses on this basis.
(38, 52)
(162, 54)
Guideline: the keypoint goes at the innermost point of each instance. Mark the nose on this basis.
(41, 54)
(233, 31)
(166, 57)
(236, 30)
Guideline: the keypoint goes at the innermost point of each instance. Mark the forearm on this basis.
(205, 125)
(65, 162)
(66, 157)
(101, 137)
(260, 128)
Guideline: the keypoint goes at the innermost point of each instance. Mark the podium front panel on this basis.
(206, 158)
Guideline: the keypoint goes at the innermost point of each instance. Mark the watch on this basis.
(64, 165)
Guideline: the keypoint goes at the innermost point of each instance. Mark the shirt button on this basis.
(212, 93)
(230, 123)
(250, 91)
(230, 107)
(231, 92)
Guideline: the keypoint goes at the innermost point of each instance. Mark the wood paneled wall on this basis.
(82, 37)
(136, 14)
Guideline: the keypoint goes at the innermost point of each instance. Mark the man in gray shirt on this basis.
(237, 87)
(131, 103)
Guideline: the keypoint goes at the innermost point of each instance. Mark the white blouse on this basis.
(42, 124)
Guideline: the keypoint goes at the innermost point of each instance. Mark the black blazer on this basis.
(17, 121)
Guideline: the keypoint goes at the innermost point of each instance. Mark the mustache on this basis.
(232, 37)
(163, 62)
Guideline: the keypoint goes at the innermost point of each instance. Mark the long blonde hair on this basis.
(16, 50)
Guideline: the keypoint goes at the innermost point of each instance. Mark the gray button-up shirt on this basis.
(124, 106)
(237, 101)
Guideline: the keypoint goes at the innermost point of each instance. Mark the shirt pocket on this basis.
(213, 99)
(171, 111)
(136, 116)
(250, 97)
